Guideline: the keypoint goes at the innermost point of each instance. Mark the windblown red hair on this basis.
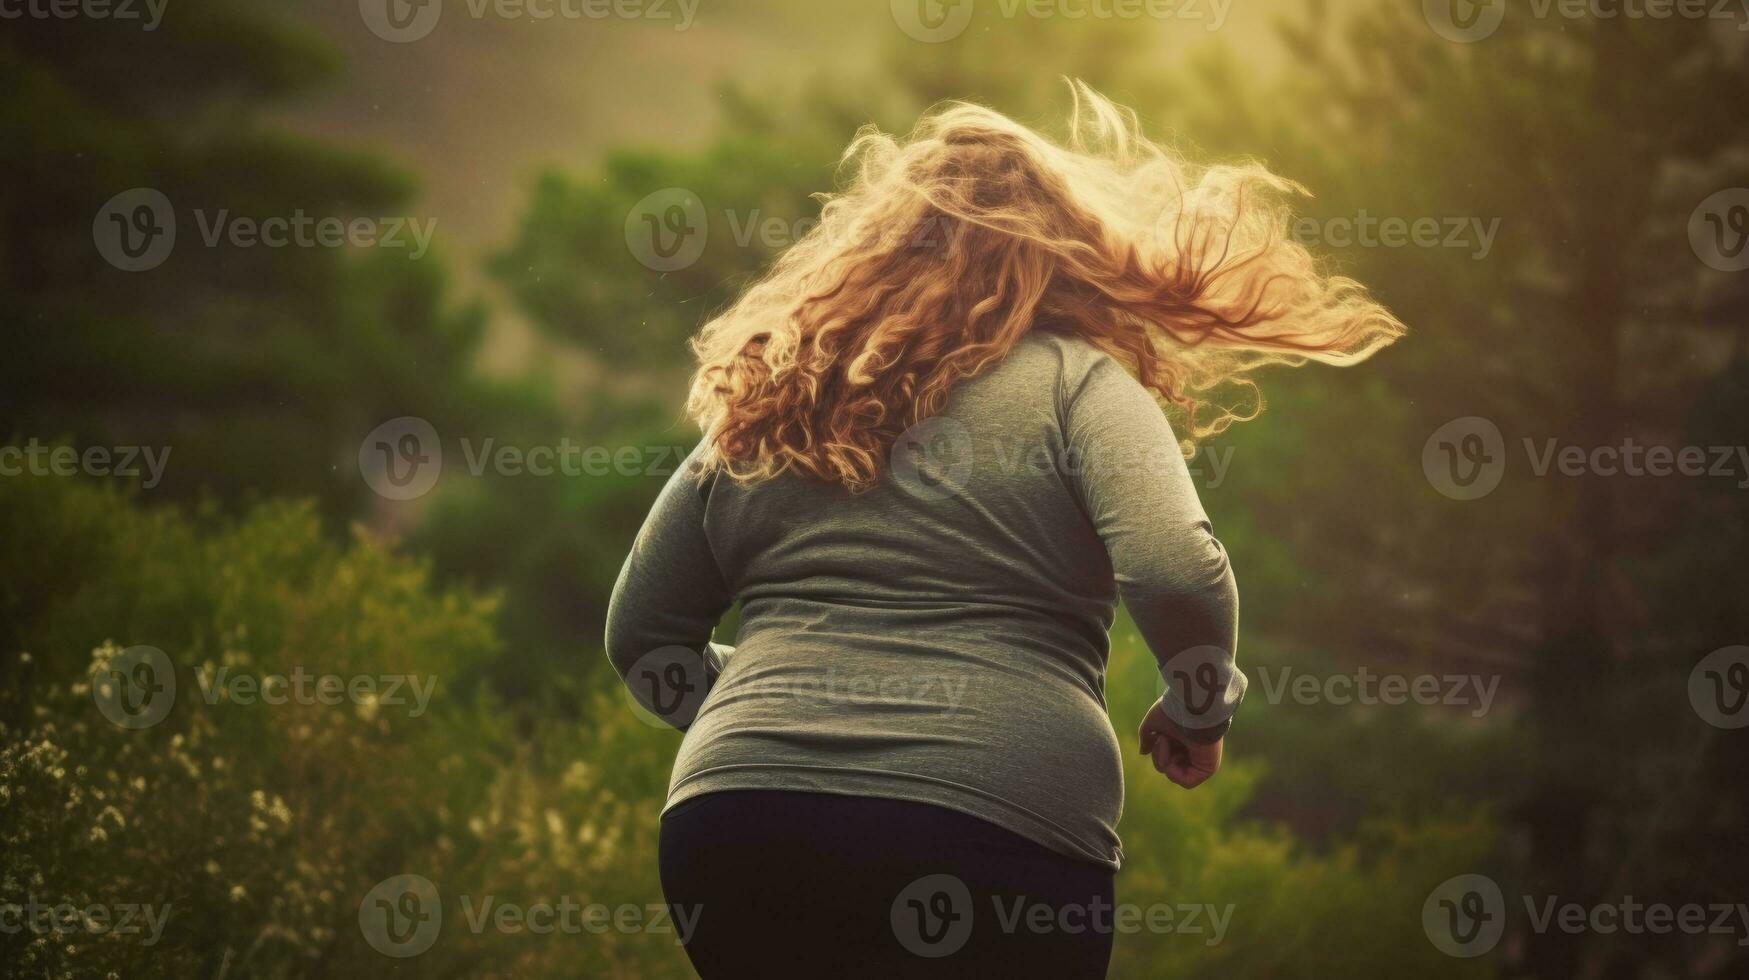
(948, 246)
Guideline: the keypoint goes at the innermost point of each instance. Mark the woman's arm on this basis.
(667, 601)
(1173, 575)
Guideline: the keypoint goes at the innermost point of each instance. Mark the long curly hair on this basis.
(944, 248)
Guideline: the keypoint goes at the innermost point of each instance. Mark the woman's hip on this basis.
(780, 883)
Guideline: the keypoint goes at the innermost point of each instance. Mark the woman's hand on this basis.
(1176, 756)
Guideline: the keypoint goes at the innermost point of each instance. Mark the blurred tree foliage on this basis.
(263, 826)
(261, 367)
(1591, 323)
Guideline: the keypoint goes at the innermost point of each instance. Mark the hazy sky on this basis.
(491, 95)
(482, 103)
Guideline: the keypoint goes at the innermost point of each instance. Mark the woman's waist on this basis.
(1041, 740)
(888, 659)
(1070, 626)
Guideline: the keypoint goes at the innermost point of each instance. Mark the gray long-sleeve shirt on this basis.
(942, 637)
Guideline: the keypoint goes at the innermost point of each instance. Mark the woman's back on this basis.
(942, 636)
(934, 458)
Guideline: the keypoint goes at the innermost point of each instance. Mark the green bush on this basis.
(258, 831)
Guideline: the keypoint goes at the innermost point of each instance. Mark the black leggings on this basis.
(816, 885)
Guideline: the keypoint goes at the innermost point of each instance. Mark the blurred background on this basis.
(345, 351)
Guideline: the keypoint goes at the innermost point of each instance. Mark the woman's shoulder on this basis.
(1071, 361)
(1070, 355)
(1044, 371)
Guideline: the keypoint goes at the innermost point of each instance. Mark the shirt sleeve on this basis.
(667, 601)
(1171, 572)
